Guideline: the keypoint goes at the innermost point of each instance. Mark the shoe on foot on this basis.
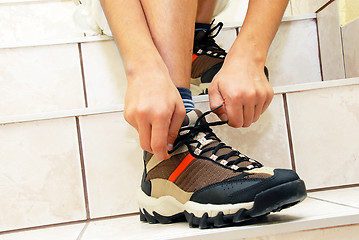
(207, 59)
(210, 184)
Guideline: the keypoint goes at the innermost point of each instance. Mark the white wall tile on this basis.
(113, 162)
(40, 174)
(40, 79)
(265, 140)
(104, 74)
(294, 56)
(226, 38)
(300, 7)
(236, 11)
(325, 131)
(330, 42)
(350, 33)
(68, 232)
(37, 21)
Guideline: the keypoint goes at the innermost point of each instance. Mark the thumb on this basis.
(216, 100)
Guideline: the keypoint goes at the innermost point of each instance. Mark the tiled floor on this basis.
(346, 196)
(313, 213)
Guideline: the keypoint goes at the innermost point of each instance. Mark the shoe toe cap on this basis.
(241, 189)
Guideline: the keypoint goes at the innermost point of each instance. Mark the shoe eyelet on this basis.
(250, 167)
(234, 167)
(223, 162)
(197, 151)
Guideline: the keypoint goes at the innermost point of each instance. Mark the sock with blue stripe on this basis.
(186, 96)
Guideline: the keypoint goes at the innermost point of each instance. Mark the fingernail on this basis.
(169, 147)
(223, 117)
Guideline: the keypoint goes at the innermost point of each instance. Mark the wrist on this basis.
(148, 65)
(248, 51)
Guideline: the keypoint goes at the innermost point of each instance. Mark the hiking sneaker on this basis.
(207, 59)
(210, 184)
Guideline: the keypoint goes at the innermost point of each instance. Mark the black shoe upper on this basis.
(240, 189)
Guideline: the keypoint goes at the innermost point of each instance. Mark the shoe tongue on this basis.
(200, 35)
(191, 118)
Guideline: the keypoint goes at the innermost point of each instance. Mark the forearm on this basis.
(130, 31)
(258, 30)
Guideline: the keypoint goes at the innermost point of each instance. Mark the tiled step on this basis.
(322, 216)
(82, 164)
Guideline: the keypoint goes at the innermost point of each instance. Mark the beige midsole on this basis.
(169, 206)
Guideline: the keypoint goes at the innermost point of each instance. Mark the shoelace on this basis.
(189, 135)
(208, 45)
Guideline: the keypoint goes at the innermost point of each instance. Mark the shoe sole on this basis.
(168, 210)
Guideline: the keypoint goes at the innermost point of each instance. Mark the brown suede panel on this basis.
(202, 63)
(166, 167)
(259, 175)
(200, 173)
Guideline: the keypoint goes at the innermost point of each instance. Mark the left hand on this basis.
(242, 87)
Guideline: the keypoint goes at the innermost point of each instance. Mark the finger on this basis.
(235, 114)
(266, 104)
(175, 125)
(215, 100)
(257, 112)
(268, 100)
(159, 137)
(144, 133)
(248, 114)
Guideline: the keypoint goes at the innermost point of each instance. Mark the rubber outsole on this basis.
(271, 200)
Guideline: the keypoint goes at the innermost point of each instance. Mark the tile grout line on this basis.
(319, 51)
(333, 188)
(332, 202)
(343, 54)
(83, 74)
(67, 223)
(83, 171)
(42, 227)
(81, 234)
(289, 133)
(197, 99)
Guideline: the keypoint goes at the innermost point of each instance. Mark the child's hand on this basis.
(154, 107)
(243, 88)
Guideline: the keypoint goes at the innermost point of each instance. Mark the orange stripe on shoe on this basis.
(185, 162)
(194, 56)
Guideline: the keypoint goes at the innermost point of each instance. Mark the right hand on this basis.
(154, 107)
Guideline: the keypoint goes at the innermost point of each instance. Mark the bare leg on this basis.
(205, 11)
(171, 24)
